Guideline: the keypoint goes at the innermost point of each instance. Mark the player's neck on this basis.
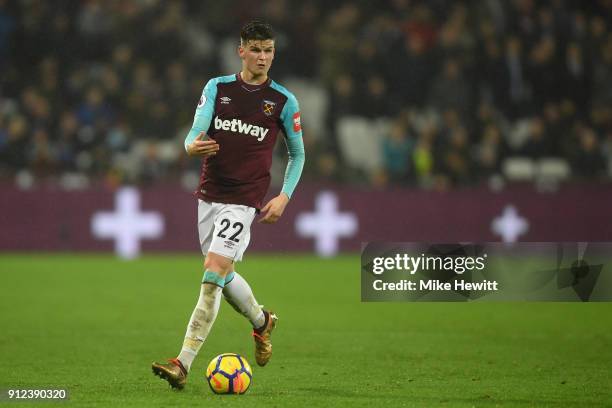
(251, 79)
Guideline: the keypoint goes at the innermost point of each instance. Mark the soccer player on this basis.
(236, 124)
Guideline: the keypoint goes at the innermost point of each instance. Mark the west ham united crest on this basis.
(268, 107)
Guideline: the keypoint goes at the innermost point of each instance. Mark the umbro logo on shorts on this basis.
(236, 125)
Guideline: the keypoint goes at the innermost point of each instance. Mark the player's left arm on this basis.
(290, 118)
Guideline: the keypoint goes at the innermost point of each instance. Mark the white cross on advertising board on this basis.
(509, 225)
(326, 225)
(127, 225)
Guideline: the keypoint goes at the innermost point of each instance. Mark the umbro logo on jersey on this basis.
(236, 125)
(225, 100)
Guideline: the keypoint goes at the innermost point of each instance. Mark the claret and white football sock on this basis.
(238, 293)
(202, 318)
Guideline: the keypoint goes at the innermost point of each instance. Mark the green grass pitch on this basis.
(93, 324)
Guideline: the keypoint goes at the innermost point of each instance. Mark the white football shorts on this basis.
(224, 229)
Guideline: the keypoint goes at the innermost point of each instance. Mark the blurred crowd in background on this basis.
(435, 94)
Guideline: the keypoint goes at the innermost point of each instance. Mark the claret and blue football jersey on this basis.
(245, 120)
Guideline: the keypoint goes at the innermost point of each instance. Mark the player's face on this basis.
(257, 56)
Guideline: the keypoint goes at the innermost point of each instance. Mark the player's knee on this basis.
(219, 264)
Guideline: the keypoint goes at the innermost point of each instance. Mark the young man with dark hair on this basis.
(234, 131)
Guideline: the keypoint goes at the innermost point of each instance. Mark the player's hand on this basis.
(202, 147)
(274, 209)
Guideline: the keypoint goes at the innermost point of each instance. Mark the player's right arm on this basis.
(197, 143)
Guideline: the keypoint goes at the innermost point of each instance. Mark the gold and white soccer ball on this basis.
(229, 373)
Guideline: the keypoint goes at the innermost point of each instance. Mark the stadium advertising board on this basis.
(323, 220)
